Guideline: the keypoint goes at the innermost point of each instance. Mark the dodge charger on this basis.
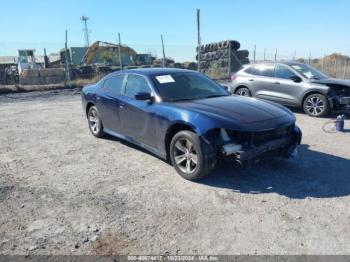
(188, 119)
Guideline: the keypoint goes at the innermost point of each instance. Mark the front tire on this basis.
(316, 105)
(243, 91)
(95, 123)
(190, 157)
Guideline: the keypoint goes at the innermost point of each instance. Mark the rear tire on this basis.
(316, 105)
(243, 91)
(191, 158)
(95, 123)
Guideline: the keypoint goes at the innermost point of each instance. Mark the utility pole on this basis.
(198, 40)
(86, 30)
(66, 58)
(254, 54)
(345, 66)
(120, 53)
(323, 61)
(46, 59)
(276, 55)
(294, 55)
(310, 58)
(335, 68)
(161, 37)
(264, 54)
(229, 60)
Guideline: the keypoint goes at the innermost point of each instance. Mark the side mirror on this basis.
(143, 96)
(296, 79)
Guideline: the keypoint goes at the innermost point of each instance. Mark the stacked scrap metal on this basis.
(221, 58)
(42, 76)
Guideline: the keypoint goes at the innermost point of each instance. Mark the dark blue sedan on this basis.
(186, 117)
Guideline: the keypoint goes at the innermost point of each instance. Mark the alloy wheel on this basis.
(242, 92)
(94, 121)
(315, 105)
(185, 156)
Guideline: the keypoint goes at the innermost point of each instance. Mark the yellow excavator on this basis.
(102, 57)
(108, 53)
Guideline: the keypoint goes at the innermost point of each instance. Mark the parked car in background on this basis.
(293, 84)
(186, 117)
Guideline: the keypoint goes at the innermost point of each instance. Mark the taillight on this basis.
(233, 77)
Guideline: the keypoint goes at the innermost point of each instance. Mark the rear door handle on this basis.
(277, 83)
(251, 80)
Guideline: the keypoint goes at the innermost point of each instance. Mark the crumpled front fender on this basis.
(297, 134)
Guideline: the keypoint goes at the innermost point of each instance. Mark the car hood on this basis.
(332, 81)
(241, 112)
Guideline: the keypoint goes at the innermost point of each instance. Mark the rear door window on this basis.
(114, 84)
(251, 70)
(260, 70)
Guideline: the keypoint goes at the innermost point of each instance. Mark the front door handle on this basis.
(251, 80)
(121, 106)
(277, 83)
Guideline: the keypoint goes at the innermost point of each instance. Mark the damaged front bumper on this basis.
(284, 147)
(340, 103)
(345, 103)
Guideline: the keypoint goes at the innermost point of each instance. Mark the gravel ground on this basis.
(62, 191)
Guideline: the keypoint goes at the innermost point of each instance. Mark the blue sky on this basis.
(305, 26)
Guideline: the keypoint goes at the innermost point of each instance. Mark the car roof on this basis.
(273, 63)
(154, 71)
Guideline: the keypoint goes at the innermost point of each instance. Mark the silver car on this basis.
(293, 84)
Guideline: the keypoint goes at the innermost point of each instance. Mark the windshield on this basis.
(308, 72)
(186, 86)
